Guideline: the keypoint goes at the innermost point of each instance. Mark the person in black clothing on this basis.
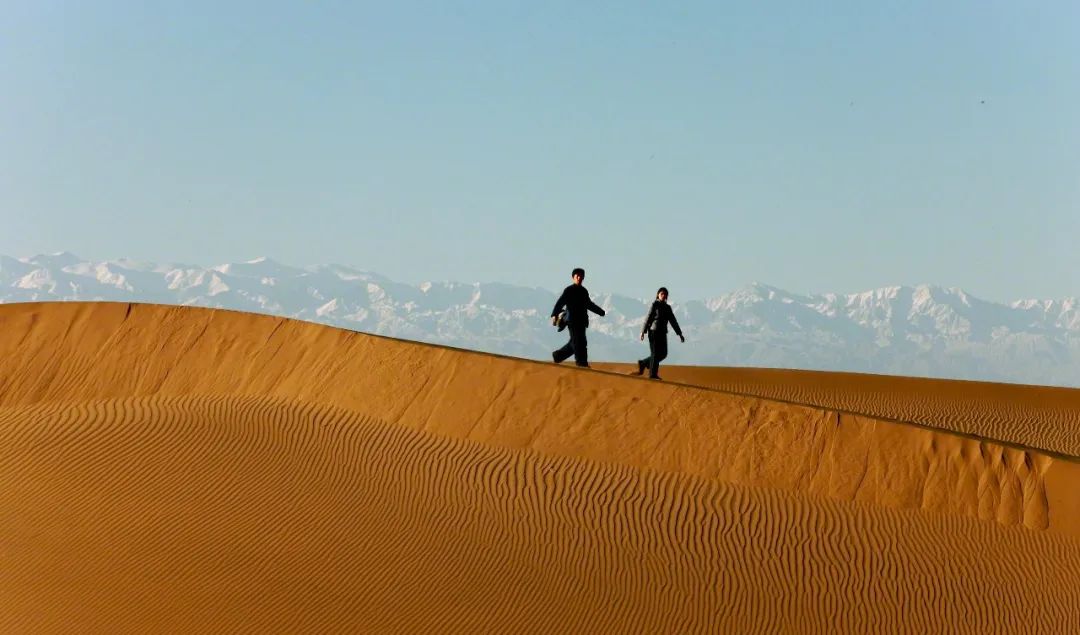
(576, 300)
(660, 314)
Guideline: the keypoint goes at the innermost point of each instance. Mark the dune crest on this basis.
(1041, 417)
(86, 351)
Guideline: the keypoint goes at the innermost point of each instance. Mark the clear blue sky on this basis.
(702, 145)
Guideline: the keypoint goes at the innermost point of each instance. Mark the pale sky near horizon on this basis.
(701, 146)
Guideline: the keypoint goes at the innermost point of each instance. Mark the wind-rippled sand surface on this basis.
(1043, 417)
(184, 469)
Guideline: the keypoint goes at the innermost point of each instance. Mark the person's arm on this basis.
(559, 304)
(595, 309)
(649, 319)
(675, 323)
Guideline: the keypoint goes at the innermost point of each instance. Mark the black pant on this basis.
(578, 346)
(657, 350)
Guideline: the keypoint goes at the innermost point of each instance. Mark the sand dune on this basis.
(228, 471)
(77, 352)
(1041, 417)
(256, 514)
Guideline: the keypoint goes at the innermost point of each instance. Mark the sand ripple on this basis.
(75, 353)
(1039, 417)
(257, 514)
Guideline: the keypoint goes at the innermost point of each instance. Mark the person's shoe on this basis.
(640, 367)
(554, 357)
(656, 377)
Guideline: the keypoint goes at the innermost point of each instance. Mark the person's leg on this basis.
(661, 353)
(658, 347)
(647, 362)
(581, 347)
(565, 352)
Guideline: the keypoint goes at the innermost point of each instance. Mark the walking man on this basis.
(575, 298)
(660, 314)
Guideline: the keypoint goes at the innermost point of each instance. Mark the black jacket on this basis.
(659, 315)
(576, 300)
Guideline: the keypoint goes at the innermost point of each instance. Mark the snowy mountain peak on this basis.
(914, 330)
(59, 259)
(261, 267)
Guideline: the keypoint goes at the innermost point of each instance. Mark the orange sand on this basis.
(1042, 417)
(186, 469)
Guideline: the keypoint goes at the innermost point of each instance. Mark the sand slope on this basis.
(263, 515)
(1043, 417)
(228, 471)
(76, 352)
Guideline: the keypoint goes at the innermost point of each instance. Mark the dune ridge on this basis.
(1043, 417)
(270, 514)
(80, 352)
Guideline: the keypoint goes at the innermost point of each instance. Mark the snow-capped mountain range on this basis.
(908, 330)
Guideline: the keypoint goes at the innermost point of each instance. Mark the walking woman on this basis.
(660, 314)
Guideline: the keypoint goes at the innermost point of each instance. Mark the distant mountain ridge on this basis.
(919, 330)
